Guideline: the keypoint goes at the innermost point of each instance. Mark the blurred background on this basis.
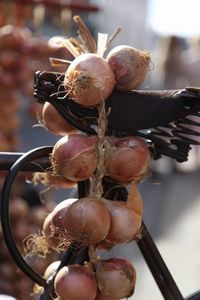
(170, 30)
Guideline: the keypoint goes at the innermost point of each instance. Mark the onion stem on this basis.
(85, 35)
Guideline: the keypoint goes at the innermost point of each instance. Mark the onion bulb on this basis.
(53, 226)
(87, 221)
(75, 282)
(51, 235)
(124, 223)
(130, 66)
(126, 159)
(116, 277)
(54, 122)
(89, 79)
(75, 157)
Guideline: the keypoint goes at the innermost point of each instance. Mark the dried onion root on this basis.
(54, 230)
(50, 180)
(35, 244)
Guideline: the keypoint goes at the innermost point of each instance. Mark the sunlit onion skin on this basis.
(59, 212)
(53, 227)
(76, 282)
(116, 277)
(54, 122)
(87, 221)
(51, 269)
(52, 237)
(125, 223)
(75, 157)
(126, 159)
(130, 66)
(89, 80)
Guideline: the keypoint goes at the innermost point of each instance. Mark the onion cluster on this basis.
(88, 221)
(94, 221)
(91, 221)
(75, 157)
(109, 279)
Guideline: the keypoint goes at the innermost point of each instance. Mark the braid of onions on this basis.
(93, 221)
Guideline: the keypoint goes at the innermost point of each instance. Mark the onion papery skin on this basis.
(126, 159)
(75, 282)
(116, 277)
(87, 221)
(48, 179)
(53, 227)
(54, 122)
(75, 157)
(125, 223)
(130, 66)
(105, 245)
(59, 212)
(52, 237)
(101, 296)
(89, 79)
